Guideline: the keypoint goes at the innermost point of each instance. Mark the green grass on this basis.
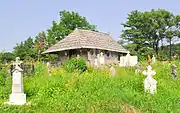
(95, 91)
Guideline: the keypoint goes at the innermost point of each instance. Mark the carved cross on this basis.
(17, 64)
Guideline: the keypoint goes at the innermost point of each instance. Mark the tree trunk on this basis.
(156, 47)
(170, 46)
(162, 46)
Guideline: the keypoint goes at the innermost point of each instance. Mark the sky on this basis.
(20, 19)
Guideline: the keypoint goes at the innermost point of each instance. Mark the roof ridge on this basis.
(93, 31)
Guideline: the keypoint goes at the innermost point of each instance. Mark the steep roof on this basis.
(87, 39)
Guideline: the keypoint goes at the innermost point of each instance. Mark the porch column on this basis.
(95, 58)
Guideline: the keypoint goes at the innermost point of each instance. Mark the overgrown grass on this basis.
(96, 91)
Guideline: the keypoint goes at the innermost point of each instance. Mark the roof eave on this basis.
(58, 50)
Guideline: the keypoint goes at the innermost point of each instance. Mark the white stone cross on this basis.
(101, 59)
(149, 82)
(96, 63)
(17, 97)
(127, 59)
(17, 63)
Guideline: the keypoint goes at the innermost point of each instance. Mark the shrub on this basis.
(141, 58)
(75, 64)
(3, 74)
(2, 78)
(163, 55)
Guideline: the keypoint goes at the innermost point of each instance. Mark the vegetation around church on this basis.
(85, 89)
(94, 90)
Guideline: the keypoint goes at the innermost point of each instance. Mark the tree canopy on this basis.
(25, 49)
(147, 30)
(32, 47)
(67, 23)
(146, 33)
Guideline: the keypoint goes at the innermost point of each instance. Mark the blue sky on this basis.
(20, 19)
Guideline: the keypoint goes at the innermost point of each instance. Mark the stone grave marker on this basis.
(174, 73)
(101, 58)
(138, 69)
(17, 97)
(28, 69)
(96, 63)
(128, 60)
(153, 59)
(112, 70)
(149, 82)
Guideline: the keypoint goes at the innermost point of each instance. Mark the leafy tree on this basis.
(19, 50)
(29, 47)
(41, 40)
(177, 49)
(40, 44)
(67, 23)
(150, 28)
(7, 57)
(1, 55)
(60, 29)
(25, 49)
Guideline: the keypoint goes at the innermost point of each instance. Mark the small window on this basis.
(107, 54)
(97, 52)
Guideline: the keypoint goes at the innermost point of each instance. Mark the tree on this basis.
(177, 49)
(60, 29)
(7, 57)
(25, 49)
(150, 27)
(67, 23)
(40, 44)
(1, 56)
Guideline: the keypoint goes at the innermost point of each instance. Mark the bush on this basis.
(3, 74)
(75, 64)
(2, 78)
(163, 56)
(141, 58)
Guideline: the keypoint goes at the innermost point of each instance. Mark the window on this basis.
(107, 54)
(97, 52)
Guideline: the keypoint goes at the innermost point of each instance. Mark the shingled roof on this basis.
(86, 39)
